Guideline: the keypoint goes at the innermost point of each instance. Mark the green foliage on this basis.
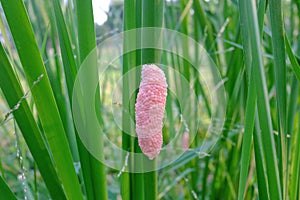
(255, 45)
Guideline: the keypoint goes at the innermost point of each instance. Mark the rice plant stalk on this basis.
(295, 164)
(69, 66)
(293, 59)
(262, 184)
(70, 71)
(129, 62)
(152, 16)
(138, 178)
(95, 170)
(251, 35)
(206, 30)
(250, 107)
(247, 138)
(280, 84)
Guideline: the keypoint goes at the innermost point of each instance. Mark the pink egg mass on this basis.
(149, 110)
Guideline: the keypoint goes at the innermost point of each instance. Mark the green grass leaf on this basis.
(5, 190)
(280, 85)
(14, 95)
(294, 62)
(33, 66)
(251, 36)
(93, 169)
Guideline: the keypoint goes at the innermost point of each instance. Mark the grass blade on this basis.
(64, 106)
(33, 66)
(34, 139)
(295, 166)
(5, 190)
(65, 46)
(247, 138)
(280, 84)
(250, 111)
(129, 62)
(152, 16)
(251, 34)
(294, 62)
(94, 172)
(260, 162)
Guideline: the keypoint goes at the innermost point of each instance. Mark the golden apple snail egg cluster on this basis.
(149, 110)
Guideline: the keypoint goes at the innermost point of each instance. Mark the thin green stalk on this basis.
(247, 138)
(280, 84)
(39, 23)
(187, 73)
(137, 178)
(35, 181)
(262, 184)
(292, 109)
(70, 71)
(199, 91)
(86, 30)
(87, 43)
(5, 38)
(236, 59)
(295, 164)
(293, 59)
(152, 16)
(250, 108)
(1, 167)
(260, 15)
(71, 23)
(197, 83)
(67, 73)
(129, 62)
(216, 183)
(251, 34)
(207, 29)
(204, 179)
(185, 46)
(70, 68)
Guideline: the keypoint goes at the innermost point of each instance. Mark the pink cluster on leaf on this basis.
(149, 110)
(186, 140)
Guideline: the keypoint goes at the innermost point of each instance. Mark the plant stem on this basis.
(87, 43)
(251, 35)
(280, 84)
(152, 16)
